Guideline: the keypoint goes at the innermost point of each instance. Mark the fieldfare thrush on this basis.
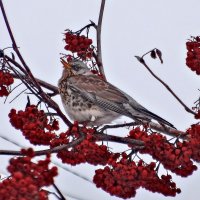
(89, 99)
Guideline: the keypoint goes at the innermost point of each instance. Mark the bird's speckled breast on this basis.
(77, 107)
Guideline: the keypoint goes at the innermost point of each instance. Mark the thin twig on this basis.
(53, 193)
(142, 61)
(44, 84)
(14, 62)
(59, 192)
(122, 140)
(18, 95)
(99, 51)
(118, 126)
(92, 24)
(24, 80)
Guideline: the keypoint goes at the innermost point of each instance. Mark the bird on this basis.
(87, 98)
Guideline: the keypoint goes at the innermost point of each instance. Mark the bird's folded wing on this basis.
(101, 93)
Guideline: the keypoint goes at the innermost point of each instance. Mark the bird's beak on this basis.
(65, 64)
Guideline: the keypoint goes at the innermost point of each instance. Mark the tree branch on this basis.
(122, 140)
(98, 136)
(158, 127)
(142, 61)
(118, 126)
(44, 152)
(167, 130)
(99, 51)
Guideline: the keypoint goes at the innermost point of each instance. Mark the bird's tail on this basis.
(157, 118)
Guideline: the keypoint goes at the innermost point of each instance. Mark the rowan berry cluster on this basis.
(87, 151)
(193, 54)
(27, 179)
(6, 80)
(34, 125)
(122, 178)
(79, 44)
(194, 141)
(174, 157)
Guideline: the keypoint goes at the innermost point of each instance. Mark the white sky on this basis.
(129, 28)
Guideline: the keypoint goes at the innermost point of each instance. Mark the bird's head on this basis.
(75, 67)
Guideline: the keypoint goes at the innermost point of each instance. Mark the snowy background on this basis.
(129, 28)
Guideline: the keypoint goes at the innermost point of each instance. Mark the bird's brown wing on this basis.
(94, 85)
(100, 92)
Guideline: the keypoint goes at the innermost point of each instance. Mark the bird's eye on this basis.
(76, 67)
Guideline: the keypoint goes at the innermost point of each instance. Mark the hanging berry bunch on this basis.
(123, 177)
(34, 124)
(193, 54)
(79, 45)
(27, 178)
(177, 157)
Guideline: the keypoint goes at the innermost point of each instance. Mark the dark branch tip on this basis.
(140, 59)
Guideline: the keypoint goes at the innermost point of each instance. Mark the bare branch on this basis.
(44, 152)
(122, 140)
(142, 61)
(118, 126)
(158, 127)
(167, 130)
(98, 136)
(99, 51)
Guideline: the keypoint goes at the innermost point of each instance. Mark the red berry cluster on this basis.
(87, 151)
(27, 179)
(6, 80)
(124, 177)
(193, 54)
(194, 141)
(79, 44)
(175, 158)
(34, 125)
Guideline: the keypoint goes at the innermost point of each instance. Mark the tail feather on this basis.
(156, 117)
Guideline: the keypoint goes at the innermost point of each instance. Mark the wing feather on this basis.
(100, 93)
